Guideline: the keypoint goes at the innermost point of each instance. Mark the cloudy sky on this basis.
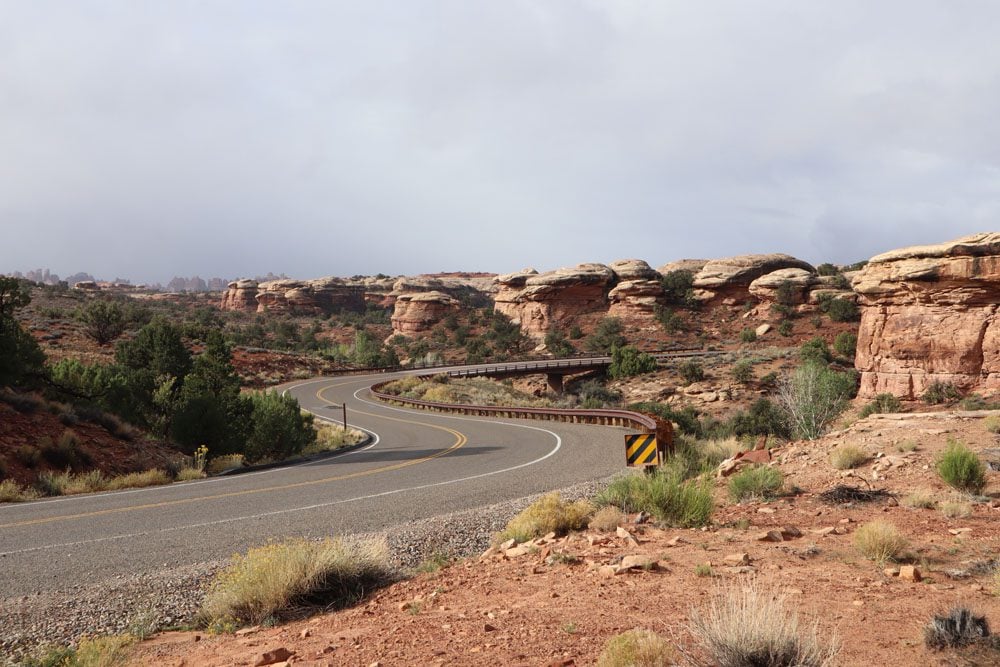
(148, 139)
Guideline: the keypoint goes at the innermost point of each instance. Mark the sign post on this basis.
(641, 450)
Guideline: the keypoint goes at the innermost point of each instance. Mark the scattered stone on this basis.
(737, 559)
(909, 573)
(638, 561)
(489, 628)
(674, 541)
(627, 536)
(509, 544)
(769, 536)
(517, 552)
(305, 634)
(891, 571)
(766, 510)
(790, 532)
(274, 656)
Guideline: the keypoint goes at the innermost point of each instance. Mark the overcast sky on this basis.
(148, 139)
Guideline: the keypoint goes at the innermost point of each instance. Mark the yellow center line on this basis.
(460, 440)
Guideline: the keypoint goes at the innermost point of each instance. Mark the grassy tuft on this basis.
(637, 648)
(12, 492)
(134, 480)
(280, 580)
(606, 519)
(992, 424)
(956, 509)
(750, 624)
(546, 515)
(959, 627)
(961, 469)
(848, 457)
(880, 541)
(187, 473)
(755, 483)
(664, 494)
(920, 500)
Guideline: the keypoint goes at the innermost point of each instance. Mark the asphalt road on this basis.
(418, 465)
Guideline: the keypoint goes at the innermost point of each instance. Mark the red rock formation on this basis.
(635, 298)
(540, 302)
(418, 312)
(241, 296)
(730, 278)
(929, 313)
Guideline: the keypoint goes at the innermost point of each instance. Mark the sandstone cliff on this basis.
(930, 313)
(729, 279)
(418, 312)
(312, 297)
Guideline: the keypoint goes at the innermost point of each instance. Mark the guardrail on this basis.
(542, 365)
(649, 423)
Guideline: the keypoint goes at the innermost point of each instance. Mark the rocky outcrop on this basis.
(543, 301)
(635, 298)
(633, 269)
(418, 312)
(929, 313)
(788, 286)
(241, 296)
(692, 265)
(730, 278)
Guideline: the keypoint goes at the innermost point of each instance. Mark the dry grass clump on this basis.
(846, 457)
(664, 494)
(12, 492)
(637, 648)
(992, 424)
(880, 541)
(280, 580)
(907, 446)
(332, 436)
(720, 450)
(920, 499)
(134, 480)
(103, 651)
(188, 473)
(217, 464)
(959, 627)
(961, 469)
(954, 509)
(755, 483)
(548, 514)
(750, 624)
(607, 519)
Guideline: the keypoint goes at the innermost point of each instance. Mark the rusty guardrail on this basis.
(649, 423)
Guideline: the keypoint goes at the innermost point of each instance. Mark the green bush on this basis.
(846, 344)
(669, 320)
(813, 397)
(815, 350)
(785, 328)
(748, 335)
(940, 392)
(763, 418)
(606, 336)
(594, 395)
(691, 371)
(664, 494)
(755, 483)
(686, 417)
(882, 404)
(843, 310)
(743, 371)
(103, 320)
(678, 288)
(278, 428)
(628, 361)
(827, 269)
(556, 344)
(961, 469)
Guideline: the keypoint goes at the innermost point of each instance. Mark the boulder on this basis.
(542, 301)
(730, 278)
(241, 295)
(692, 265)
(418, 312)
(635, 298)
(769, 287)
(929, 313)
(633, 269)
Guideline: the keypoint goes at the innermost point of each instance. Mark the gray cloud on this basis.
(150, 139)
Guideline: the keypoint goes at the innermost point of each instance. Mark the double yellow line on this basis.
(460, 440)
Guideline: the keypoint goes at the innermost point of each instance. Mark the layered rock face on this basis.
(731, 277)
(929, 313)
(542, 301)
(313, 297)
(418, 312)
(241, 295)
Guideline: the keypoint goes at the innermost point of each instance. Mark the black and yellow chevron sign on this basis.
(640, 449)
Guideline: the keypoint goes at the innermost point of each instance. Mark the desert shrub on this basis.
(29, 455)
(815, 350)
(757, 482)
(955, 509)
(637, 648)
(279, 580)
(882, 404)
(827, 269)
(907, 446)
(21, 359)
(846, 457)
(992, 424)
(12, 492)
(763, 418)
(843, 310)
(24, 403)
(87, 482)
(102, 320)
(846, 344)
(768, 380)
(556, 344)
(575, 332)
(664, 494)
(278, 428)
(187, 474)
(785, 328)
(813, 397)
(743, 371)
(669, 320)
(880, 541)
(940, 392)
(593, 394)
(920, 499)
(961, 469)
(628, 361)
(134, 480)
(606, 336)
(678, 288)
(546, 515)
(52, 484)
(747, 624)
(703, 570)
(691, 371)
(977, 402)
(607, 518)
(748, 335)
(959, 627)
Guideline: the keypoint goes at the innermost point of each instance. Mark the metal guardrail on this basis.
(602, 417)
(582, 363)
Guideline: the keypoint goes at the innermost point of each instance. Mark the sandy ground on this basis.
(559, 603)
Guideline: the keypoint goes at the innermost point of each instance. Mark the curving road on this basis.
(418, 465)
